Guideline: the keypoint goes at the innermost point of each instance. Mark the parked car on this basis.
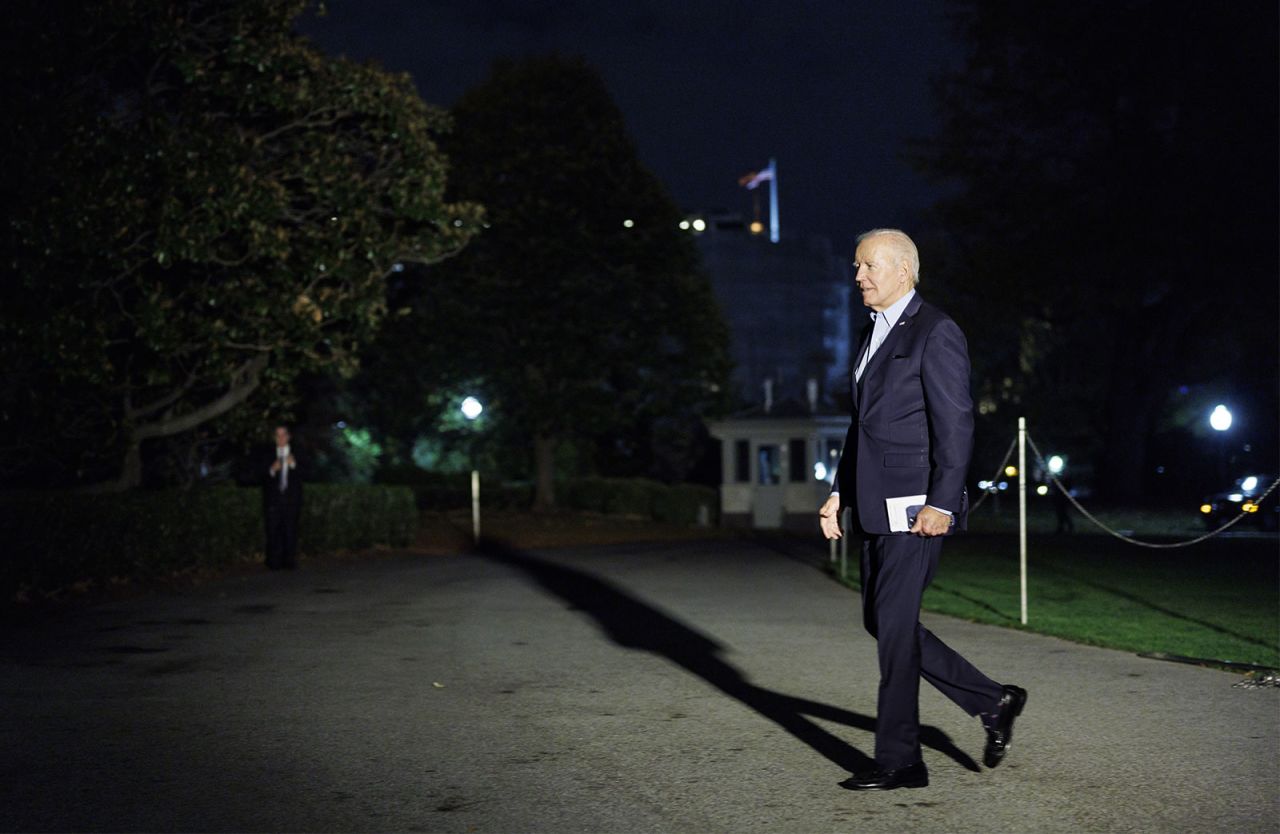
(1244, 495)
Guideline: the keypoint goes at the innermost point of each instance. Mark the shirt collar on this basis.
(894, 312)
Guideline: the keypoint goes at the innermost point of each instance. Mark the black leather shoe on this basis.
(911, 776)
(1000, 733)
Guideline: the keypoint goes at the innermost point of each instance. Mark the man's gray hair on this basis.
(904, 244)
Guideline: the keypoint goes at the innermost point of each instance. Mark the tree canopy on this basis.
(204, 208)
(1113, 241)
(582, 313)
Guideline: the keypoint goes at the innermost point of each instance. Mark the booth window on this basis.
(798, 463)
(742, 461)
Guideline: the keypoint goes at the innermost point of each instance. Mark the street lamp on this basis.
(471, 409)
(1220, 421)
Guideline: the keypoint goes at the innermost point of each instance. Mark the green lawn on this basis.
(1217, 600)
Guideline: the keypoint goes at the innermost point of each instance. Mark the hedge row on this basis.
(54, 540)
(678, 504)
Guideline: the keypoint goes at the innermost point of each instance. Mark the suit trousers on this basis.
(282, 535)
(895, 571)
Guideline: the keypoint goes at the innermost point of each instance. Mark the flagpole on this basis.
(773, 200)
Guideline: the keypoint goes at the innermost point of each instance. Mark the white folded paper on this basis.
(897, 509)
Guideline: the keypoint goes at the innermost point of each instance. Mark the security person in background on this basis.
(282, 503)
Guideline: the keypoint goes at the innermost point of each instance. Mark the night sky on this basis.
(710, 88)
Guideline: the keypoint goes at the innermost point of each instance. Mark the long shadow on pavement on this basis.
(631, 623)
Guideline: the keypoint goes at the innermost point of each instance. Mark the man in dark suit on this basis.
(282, 503)
(911, 435)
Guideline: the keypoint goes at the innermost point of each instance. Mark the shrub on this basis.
(680, 503)
(676, 504)
(452, 490)
(53, 540)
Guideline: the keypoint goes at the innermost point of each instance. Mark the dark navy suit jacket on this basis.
(912, 429)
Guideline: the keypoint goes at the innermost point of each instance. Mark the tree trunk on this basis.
(544, 458)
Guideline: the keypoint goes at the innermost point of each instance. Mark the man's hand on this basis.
(293, 464)
(275, 467)
(829, 517)
(930, 522)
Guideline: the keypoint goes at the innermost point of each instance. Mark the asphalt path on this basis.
(698, 687)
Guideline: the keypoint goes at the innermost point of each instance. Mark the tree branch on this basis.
(134, 414)
(243, 383)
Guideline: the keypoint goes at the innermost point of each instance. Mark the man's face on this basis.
(883, 276)
(282, 436)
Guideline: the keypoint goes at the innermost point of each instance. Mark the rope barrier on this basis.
(999, 471)
(1116, 533)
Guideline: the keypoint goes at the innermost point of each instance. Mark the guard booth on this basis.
(777, 465)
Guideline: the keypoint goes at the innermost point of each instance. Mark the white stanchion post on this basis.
(1022, 511)
(475, 505)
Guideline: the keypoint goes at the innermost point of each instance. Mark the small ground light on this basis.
(1220, 418)
(699, 225)
(820, 471)
(628, 223)
(1250, 483)
(684, 224)
(1042, 490)
(471, 408)
(1056, 463)
(1011, 471)
(1206, 508)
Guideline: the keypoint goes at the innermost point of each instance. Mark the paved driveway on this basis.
(716, 686)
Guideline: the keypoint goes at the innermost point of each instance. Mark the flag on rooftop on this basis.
(754, 178)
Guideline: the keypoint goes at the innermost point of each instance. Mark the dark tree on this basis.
(1115, 229)
(204, 207)
(582, 312)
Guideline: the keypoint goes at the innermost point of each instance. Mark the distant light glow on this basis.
(1042, 490)
(820, 471)
(1249, 507)
(1250, 483)
(684, 224)
(1206, 508)
(1220, 418)
(699, 225)
(1056, 463)
(1011, 471)
(628, 223)
(471, 408)
(984, 485)
(1002, 486)
(1235, 498)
